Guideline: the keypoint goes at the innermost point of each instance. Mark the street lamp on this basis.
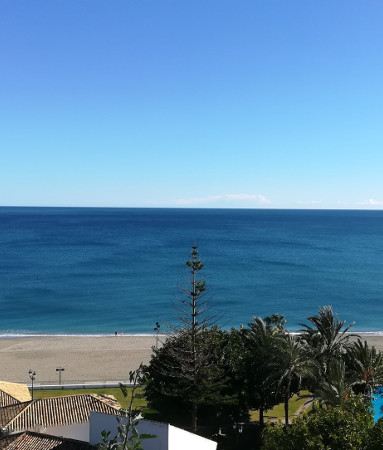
(32, 376)
(238, 427)
(60, 370)
(156, 329)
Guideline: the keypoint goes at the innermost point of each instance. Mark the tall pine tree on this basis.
(184, 374)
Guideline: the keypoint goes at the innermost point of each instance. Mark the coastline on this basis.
(97, 358)
(133, 335)
(84, 358)
(76, 335)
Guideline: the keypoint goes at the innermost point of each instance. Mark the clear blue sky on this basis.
(192, 103)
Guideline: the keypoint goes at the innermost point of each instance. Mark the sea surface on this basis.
(100, 270)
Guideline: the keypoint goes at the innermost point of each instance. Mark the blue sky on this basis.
(193, 103)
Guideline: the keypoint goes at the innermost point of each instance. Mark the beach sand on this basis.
(84, 358)
(373, 340)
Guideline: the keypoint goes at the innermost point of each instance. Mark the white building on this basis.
(82, 417)
(63, 416)
(167, 437)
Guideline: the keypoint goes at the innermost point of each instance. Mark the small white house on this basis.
(167, 437)
(64, 416)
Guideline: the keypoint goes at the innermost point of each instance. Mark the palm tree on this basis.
(365, 365)
(295, 364)
(334, 389)
(328, 337)
(261, 341)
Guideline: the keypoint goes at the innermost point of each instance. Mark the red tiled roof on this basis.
(64, 410)
(8, 413)
(38, 441)
(7, 400)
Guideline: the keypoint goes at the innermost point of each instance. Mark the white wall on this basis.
(181, 439)
(78, 431)
(100, 422)
(167, 436)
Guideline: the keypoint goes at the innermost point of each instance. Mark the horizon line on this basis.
(263, 208)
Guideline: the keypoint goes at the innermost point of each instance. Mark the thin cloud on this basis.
(370, 203)
(374, 202)
(256, 199)
(309, 203)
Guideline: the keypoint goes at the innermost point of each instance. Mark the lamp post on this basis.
(156, 329)
(60, 370)
(32, 376)
(238, 428)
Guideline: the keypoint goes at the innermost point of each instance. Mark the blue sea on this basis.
(100, 270)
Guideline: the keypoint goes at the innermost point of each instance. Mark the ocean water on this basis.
(95, 270)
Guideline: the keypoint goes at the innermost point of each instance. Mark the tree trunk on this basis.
(286, 410)
(261, 417)
(287, 397)
(194, 348)
(194, 417)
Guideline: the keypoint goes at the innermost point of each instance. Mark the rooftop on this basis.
(63, 410)
(38, 441)
(13, 393)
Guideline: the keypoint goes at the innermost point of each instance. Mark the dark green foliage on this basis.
(275, 323)
(345, 427)
(375, 439)
(333, 389)
(326, 336)
(261, 373)
(172, 389)
(365, 366)
(293, 360)
(189, 377)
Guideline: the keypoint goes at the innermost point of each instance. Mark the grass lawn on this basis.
(139, 400)
(278, 412)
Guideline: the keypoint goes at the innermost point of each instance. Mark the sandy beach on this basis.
(84, 358)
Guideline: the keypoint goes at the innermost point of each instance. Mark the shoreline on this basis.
(96, 358)
(74, 335)
(143, 335)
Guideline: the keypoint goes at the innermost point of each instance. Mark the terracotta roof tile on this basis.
(8, 413)
(64, 410)
(7, 400)
(38, 441)
(6, 440)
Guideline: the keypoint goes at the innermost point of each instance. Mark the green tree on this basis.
(345, 427)
(365, 366)
(334, 389)
(327, 336)
(294, 362)
(261, 372)
(186, 373)
(375, 439)
(234, 406)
